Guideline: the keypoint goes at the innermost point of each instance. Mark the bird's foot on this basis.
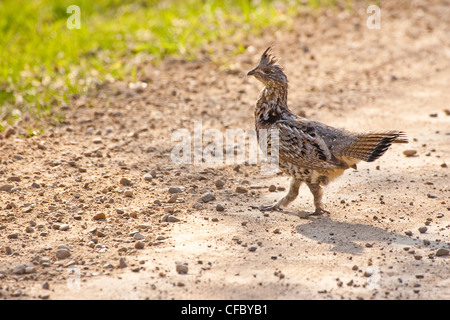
(318, 212)
(274, 207)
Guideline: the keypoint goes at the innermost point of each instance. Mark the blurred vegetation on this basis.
(43, 62)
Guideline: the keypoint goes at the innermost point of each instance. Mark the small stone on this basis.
(182, 268)
(207, 197)
(128, 193)
(368, 273)
(82, 169)
(64, 227)
(13, 235)
(417, 257)
(62, 253)
(173, 198)
(272, 188)
(423, 229)
(408, 233)
(100, 216)
(160, 238)
(125, 182)
(442, 252)
(431, 196)
(97, 140)
(139, 245)
(16, 293)
(9, 132)
(148, 177)
(6, 187)
(409, 152)
(138, 236)
(219, 184)
(172, 218)
(220, 207)
(241, 189)
(276, 231)
(14, 178)
(20, 269)
(122, 263)
(252, 248)
(174, 190)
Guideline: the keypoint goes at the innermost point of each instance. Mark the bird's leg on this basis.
(317, 192)
(287, 199)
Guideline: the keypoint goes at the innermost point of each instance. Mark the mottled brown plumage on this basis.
(310, 151)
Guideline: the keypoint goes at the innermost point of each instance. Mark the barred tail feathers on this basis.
(371, 146)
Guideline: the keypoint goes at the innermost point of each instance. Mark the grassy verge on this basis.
(43, 62)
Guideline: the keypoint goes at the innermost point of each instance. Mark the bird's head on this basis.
(268, 72)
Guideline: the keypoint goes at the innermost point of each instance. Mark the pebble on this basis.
(220, 207)
(128, 193)
(100, 216)
(97, 140)
(409, 152)
(207, 197)
(174, 190)
(423, 229)
(252, 248)
(62, 253)
(139, 245)
(9, 132)
(122, 263)
(13, 235)
(125, 182)
(14, 178)
(182, 268)
(6, 187)
(241, 189)
(442, 252)
(173, 198)
(64, 227)
(16, 293)
(272, 188)
(138, 236)
(24, 269)
(219, 184)
(431, 196)
(172, 218)
(408, 233)
(148, 177)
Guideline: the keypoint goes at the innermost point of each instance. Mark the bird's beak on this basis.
(251, 72)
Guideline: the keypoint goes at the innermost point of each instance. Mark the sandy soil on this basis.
(72, 228)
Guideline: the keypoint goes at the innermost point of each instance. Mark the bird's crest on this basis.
(268, 57)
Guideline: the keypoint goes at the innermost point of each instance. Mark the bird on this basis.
(309, 151)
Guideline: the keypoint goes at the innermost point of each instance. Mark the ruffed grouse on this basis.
(309, 151)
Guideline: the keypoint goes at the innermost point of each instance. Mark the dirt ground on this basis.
(85, 210)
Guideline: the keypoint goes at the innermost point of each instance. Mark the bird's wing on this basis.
(301, 145)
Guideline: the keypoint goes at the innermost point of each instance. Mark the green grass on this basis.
(42, 62)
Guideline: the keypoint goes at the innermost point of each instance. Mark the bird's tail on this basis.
(370, 146)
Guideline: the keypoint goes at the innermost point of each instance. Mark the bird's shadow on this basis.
(346, 237)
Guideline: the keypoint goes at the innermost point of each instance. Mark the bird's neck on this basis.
(272, 103)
